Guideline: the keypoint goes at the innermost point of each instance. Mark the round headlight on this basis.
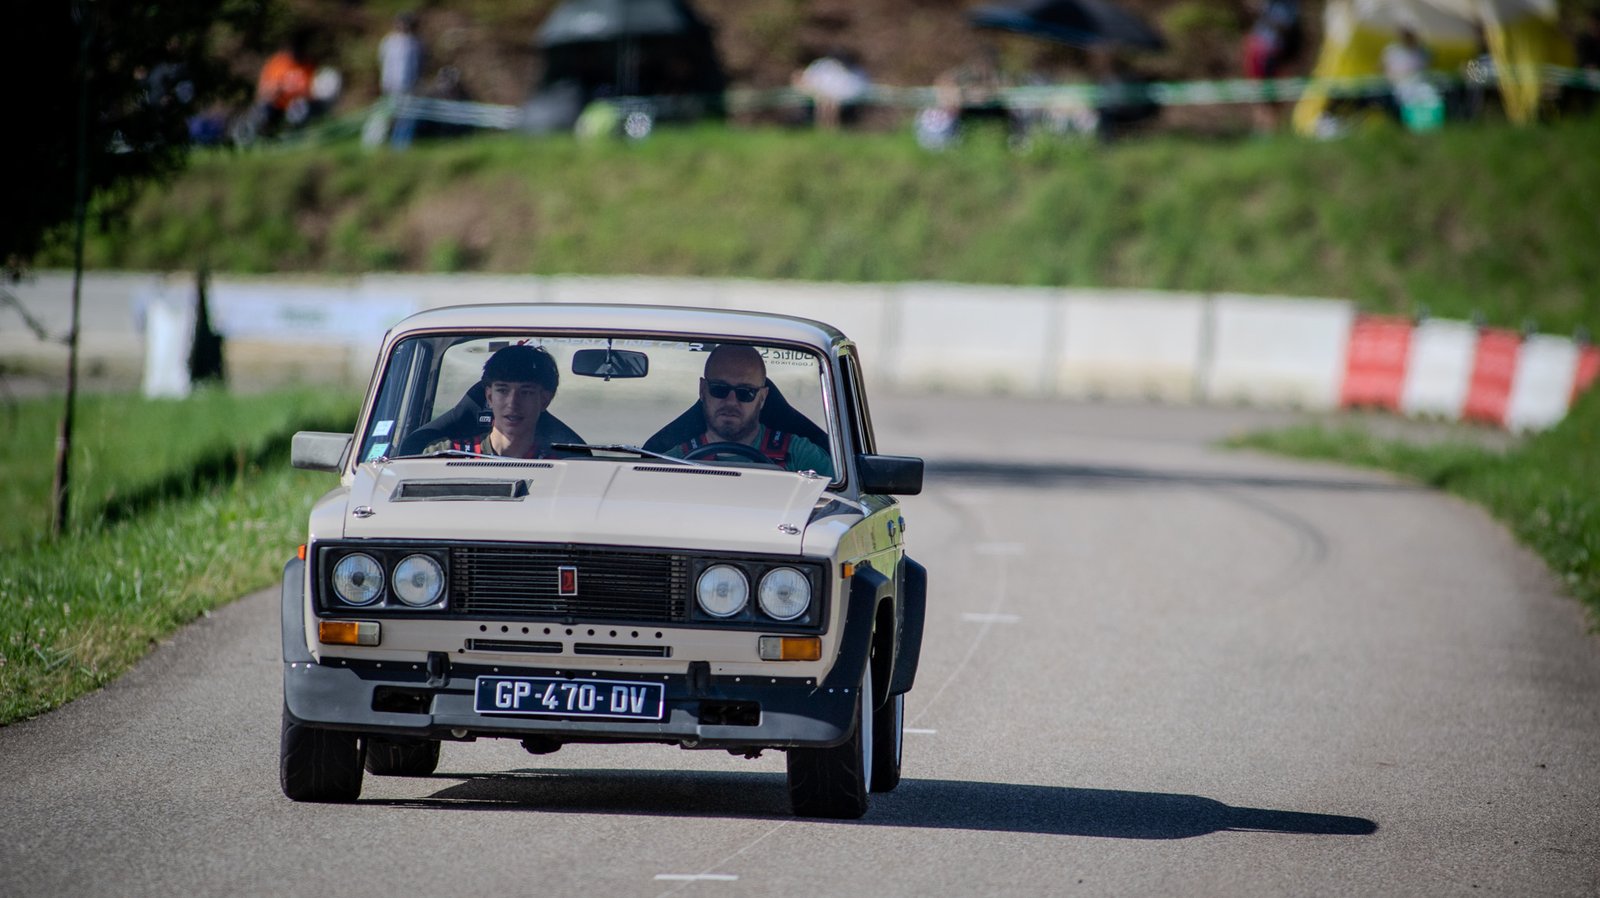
(785, 593)
(722, 590)
(358, 579)
(418, 580)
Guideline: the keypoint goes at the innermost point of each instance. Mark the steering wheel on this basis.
(743, 450)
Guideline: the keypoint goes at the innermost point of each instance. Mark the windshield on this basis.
(543, 396)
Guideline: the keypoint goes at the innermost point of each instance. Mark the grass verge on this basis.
(130, 453)
(1547, 490)
(77, 613)
(181, 507)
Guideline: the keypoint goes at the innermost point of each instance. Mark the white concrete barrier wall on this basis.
(1546, 368)
(1274, 351)
(916, 336)
(1141, 345)
(976, 339)
(1439, 369)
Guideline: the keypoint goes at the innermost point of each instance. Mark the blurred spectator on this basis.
(1271, 42)
(963, 95)
(283, 91)
(1415, 102)
(1478, 79)
(400, 65)
(835, 83)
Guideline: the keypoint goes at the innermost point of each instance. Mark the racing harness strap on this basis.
(775, 446)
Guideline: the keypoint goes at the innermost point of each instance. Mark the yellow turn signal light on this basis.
(348, 632)
(791, 648)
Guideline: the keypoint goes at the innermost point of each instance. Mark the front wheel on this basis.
(832, 782)
(318, 765)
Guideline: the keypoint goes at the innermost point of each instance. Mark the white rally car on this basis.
(634, 576)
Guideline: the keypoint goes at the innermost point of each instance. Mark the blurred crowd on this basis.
(624, 85)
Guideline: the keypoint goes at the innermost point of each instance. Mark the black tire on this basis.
(318, 765)
(386, 757)
(888, 738)
(832, 782)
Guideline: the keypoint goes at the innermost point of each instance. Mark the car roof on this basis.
(621, 318)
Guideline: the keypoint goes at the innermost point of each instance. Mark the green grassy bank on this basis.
(181, 507)
(1492, 220)
(1547, 490)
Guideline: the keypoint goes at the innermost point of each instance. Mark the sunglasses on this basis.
(719, 390)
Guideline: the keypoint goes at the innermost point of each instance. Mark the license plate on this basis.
(550, 697)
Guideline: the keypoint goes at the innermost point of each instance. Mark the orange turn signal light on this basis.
(848, 569)
(348, 632)
(790, 648)
(302, 552)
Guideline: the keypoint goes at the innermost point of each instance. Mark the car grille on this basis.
(612, 585)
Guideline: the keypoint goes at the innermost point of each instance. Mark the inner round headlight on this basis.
(418, 580)
(785, 593)
(358, 579)
(722, 590)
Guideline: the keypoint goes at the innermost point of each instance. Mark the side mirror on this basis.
(890, 475)
(609, 363)
(317, 451)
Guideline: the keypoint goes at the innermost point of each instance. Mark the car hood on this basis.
(633, 503)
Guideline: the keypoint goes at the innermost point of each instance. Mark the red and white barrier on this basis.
(1375, 362)
(1451, 369)
(1439, 369)
(1544, 385)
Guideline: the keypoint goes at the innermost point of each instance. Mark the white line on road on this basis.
(976, 618)
(697, 877)
(919, 732)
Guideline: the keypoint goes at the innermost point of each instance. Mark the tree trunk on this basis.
(60, 490)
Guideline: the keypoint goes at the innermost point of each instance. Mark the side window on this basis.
(855, 399)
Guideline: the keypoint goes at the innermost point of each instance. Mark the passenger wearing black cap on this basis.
(518, 384)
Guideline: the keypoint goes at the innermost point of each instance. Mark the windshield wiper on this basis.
(448, 453)
(621, 447)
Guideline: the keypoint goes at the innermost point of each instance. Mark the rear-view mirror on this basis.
(890, 475)
(609, 363)
(317, 451)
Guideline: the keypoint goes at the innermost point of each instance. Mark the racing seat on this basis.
(777, 414)
(471, 418)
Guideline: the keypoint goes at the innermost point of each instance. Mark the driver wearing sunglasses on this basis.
(732, 393)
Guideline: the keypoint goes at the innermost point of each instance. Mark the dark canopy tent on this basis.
(632, 48)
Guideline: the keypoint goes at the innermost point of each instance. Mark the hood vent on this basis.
(446, 490)
(515, 463)
(680, 469)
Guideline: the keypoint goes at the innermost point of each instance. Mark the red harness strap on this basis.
(775, 447)
(477, 446)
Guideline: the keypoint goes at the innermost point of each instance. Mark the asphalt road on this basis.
(1151, 667)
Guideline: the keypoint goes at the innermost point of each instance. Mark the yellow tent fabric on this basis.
(1522, 36)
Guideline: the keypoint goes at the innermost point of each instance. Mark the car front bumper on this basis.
(699, 711)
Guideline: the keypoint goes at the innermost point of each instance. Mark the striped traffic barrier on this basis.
(1375, 362)
(1494, 368)
(1439, 369)
(1543, 385)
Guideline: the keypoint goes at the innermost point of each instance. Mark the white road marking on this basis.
(919, 732)
(976, 618)
(697, 877)
(998, 548)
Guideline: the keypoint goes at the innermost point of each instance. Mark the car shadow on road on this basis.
(918, 803)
